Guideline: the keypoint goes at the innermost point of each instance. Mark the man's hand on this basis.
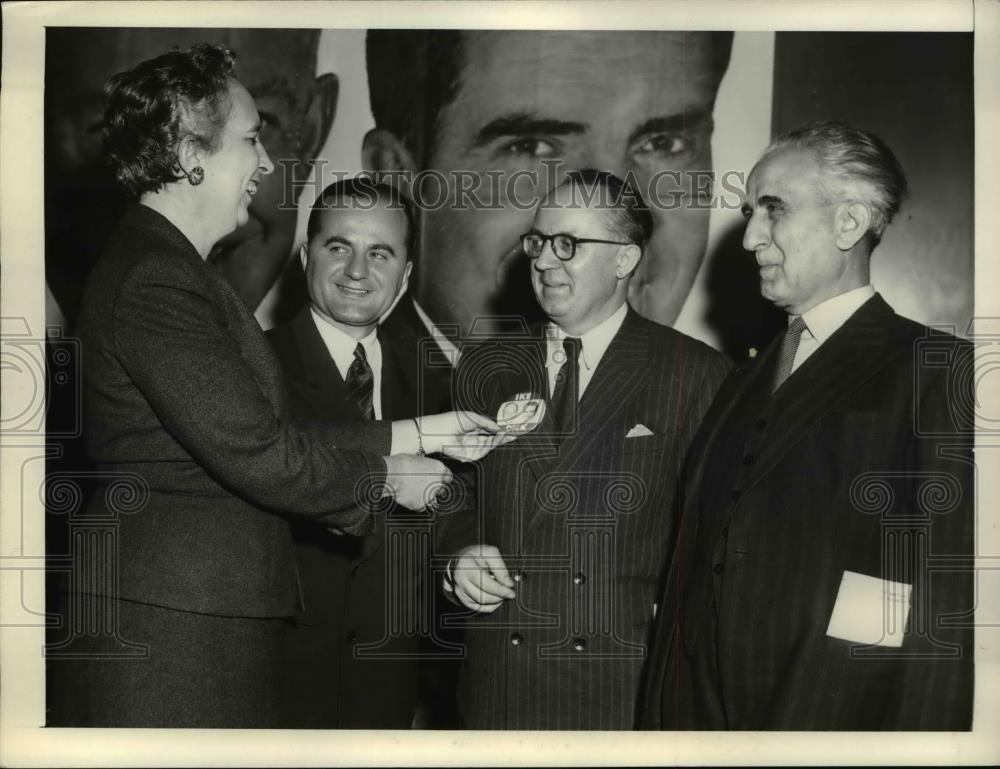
(462, 435)
(480, 579)
(415, 482)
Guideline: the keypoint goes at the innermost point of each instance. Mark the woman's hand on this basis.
(416, 482)
(462, 435)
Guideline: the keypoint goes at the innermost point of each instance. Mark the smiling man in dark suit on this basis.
(575, 517)
(347, 663)
(823, 574)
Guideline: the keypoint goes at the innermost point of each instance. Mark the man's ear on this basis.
(382, 151)
(403, 286)
(851, 223)
(407, 270)
(627, 260)
(318, 117)
(303, 256)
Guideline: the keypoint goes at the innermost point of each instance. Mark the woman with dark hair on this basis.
(185, 410)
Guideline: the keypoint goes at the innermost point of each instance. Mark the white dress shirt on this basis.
(825, 318)
(341, 347)
(449, 348)
(593, 345)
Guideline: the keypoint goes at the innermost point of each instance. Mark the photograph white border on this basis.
(22, 740)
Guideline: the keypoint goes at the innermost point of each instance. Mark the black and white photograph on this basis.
(499, 383)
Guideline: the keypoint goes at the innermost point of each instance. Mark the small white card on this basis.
(639, 431)
(870, 610)
(521, 414)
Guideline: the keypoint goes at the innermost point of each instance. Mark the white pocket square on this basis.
(638, 431)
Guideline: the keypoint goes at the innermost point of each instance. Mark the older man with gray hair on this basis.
(823, 573)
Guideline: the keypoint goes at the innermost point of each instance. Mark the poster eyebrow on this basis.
(522, 123)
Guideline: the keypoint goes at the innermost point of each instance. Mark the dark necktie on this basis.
(786, 353)
(361, 383)
(564, 396)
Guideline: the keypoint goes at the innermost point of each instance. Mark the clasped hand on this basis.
(480, 580)
(416, 483)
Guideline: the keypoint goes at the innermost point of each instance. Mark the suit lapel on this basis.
(418, 355)
(540, 446)
(399, 383)
(732, 395)
(619, 374)
(329, 396)
(851, 356)
(326, 388)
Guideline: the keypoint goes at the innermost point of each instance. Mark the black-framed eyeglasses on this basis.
(563, 245)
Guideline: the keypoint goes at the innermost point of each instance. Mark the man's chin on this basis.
(351, 320)
(776, 298)
(354, 316)
(553, 310)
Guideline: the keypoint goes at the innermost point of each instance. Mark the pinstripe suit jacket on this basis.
(861, 462)
(585, 524)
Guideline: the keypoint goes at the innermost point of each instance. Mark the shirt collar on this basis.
(449, 348)
(342, 345)
(594, 343)
(826, 317)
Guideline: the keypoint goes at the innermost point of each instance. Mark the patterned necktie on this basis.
(786, 354)
(361, 383)
(564, 396)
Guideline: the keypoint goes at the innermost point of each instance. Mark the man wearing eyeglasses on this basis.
(491, 119)
(575, 517)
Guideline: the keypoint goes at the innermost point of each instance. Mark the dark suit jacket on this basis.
(417, 351)
(860, 462)
(351, 661)
(184, 404)
(587, 526)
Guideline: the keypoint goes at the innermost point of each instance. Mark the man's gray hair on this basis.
(857, 164)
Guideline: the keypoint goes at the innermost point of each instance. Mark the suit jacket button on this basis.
(748, 459)
(352, 636)
(355, 569)
(579, 578)
(516, 638)
(717, 568)
(760, 424)
(735, 495)
(579, 644)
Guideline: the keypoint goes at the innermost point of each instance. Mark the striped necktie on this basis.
(361, 383)
(786, 354)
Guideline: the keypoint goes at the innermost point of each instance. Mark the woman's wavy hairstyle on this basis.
(153, 107)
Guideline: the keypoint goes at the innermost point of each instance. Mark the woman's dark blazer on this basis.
(186, 417)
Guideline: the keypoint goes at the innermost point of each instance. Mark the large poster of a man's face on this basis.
(503, 115)
(478, 124)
